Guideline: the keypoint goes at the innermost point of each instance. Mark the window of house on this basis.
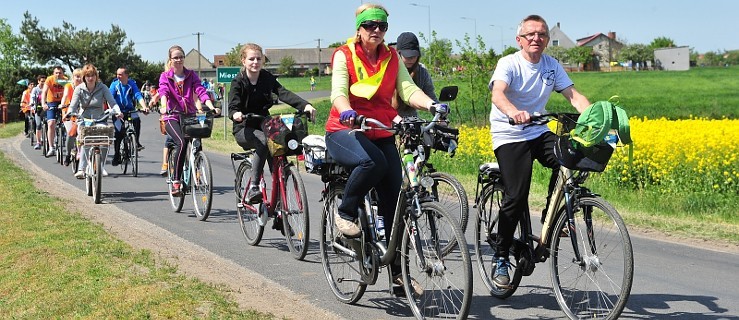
(555, 43)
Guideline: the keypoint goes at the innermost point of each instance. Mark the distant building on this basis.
(557, 38)
(305, 59)
(605, 50)
(672, 59)
(195, 61)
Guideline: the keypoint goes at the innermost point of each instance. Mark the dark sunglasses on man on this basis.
(372, 25)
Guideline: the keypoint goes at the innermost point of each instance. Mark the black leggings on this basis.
(180, 144)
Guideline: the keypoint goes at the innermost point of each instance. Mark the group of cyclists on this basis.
(370, 79)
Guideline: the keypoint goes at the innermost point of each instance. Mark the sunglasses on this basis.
(372, 25)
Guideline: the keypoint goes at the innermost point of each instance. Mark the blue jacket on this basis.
(126, 95)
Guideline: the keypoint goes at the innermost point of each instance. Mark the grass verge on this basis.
(57, 264)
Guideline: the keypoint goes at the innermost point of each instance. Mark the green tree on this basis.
(557, 52)
(286, 66)
(336, 44)
(73, 48)
(11, 62)
(636, 53)
(437, 57)
(233, 57)
(662, 42)
(580, 55)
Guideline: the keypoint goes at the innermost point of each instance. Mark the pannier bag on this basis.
(197, 126)
(284, 134)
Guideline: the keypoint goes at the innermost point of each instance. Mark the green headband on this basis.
(374, 14)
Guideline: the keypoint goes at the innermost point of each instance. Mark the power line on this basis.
(163, 40)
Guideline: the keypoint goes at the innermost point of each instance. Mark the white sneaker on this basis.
(79, 174)
(50, 153)
(105, 173)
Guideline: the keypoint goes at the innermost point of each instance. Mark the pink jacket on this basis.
(181, 103)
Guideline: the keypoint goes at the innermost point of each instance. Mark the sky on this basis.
(154, 26)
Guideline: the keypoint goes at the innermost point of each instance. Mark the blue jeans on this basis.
(373, 163)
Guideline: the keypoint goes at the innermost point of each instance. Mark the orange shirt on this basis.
(26, 100)
(56, 90)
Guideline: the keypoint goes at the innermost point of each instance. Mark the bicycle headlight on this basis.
(427, 182)
(292, 144)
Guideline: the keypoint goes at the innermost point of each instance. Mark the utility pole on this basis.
(319, 58)
(199, 54)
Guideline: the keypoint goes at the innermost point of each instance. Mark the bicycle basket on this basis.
(573, 156)
(192, 127)
(442, 138)
(98, 130)
(314, 153)
(284, 134)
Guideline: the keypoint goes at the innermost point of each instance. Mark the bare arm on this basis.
(500, 100)
(579, 101)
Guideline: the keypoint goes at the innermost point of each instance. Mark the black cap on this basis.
(407, 45)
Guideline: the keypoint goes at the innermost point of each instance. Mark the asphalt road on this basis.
(670, 280)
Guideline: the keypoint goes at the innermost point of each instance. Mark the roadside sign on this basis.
(226, 74)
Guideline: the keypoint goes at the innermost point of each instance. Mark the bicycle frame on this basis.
(278, 186)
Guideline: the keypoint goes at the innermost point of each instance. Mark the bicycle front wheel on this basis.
(202, 186)
(251, 223)
(444, 277)
(97, 176)
(340, 262)
(296, 225)
(60, 143)
(175, 201)
(133, 153)
(597, 285)
(124, 153)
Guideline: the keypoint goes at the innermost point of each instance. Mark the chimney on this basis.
(612, 35)
(558, 25)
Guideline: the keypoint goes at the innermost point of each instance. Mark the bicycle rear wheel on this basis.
(175, 201)
(252, 217)
(45, 138)
(97, 176)
(201, 183)
(452, 197)
(59, 143)
(32, 130)
(486, 231)
(598, 286)
(296, 225)
(340, 264)
(446, 278)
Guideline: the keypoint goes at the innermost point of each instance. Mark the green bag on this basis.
(599, 118)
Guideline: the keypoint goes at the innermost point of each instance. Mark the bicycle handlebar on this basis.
(103, 118)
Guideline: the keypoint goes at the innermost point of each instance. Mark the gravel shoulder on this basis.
(247, 288)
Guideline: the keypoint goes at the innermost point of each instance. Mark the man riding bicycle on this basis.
(51, 98)
(521, 85)
(126, 93)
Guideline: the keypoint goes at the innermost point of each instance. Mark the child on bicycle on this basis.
(251, 92)
(178, 88)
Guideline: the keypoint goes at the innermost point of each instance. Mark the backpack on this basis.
(284, 134)
(584, 147)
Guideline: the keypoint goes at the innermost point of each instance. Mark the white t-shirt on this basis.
(529, 88)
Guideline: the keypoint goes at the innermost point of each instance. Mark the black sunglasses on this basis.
(372, 25)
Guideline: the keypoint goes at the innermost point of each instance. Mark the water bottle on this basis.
(380, 226)
(411, 168)
(611, 138)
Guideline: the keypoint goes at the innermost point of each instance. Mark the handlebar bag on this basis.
(284, 135)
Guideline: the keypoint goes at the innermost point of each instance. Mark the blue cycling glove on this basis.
(441, 108)
(346, 115)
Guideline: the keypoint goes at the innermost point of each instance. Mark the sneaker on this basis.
(116, 160)
(37, 146)
(176, 186)
(500, 277)
(417, 288)
(51, 153)
(105, 173)
(254, 195)
(163, 173)
(139, 148)
(348, 228)
(79, 174)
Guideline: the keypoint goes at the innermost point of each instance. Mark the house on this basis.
(672, 59)
(195, 61)
(305, 59)
(605, 50)
(557, 38)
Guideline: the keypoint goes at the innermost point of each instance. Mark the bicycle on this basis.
(197, 176)
(421, 227)
(286, 200)
(31, 120)
(60, 138)
(128, 150)
(593, 272)
(95, 134)
(446, 190)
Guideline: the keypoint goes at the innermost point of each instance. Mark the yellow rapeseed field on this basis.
(694, 155)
